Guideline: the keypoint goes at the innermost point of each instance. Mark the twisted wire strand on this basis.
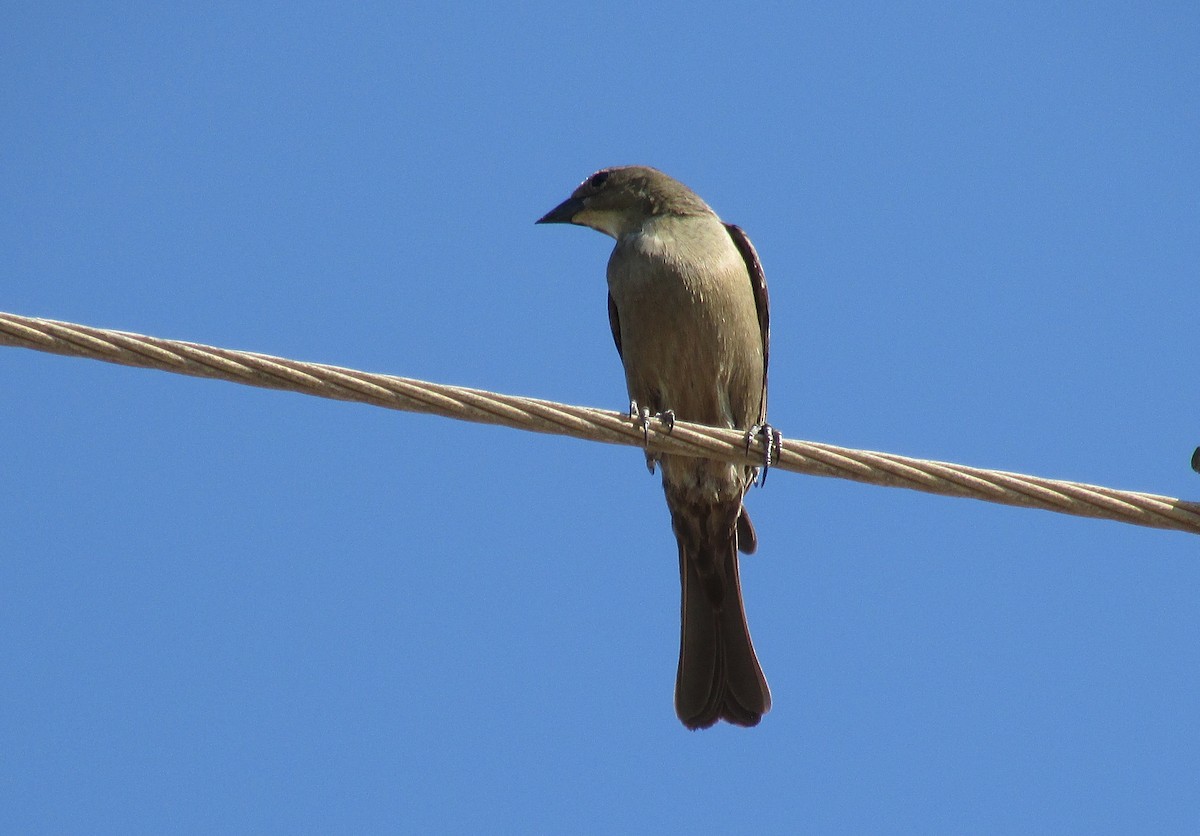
(595, 424)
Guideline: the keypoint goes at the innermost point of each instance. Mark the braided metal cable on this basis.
(595, 424)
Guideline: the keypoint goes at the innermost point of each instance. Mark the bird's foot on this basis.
(642, 416)
(772, 441)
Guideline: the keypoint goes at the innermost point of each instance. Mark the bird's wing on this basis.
(614, 324)
(758, 284)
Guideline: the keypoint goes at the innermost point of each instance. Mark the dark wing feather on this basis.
(758, 283)
(614, 324)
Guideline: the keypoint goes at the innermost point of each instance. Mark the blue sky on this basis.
(227, 609)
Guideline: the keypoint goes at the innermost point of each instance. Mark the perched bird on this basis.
(687, 303)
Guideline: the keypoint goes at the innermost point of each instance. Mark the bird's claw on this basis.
(641, 417)
(772, 441)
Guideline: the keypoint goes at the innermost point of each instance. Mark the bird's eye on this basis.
(597, 179)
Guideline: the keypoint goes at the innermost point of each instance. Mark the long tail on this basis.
(719, 677)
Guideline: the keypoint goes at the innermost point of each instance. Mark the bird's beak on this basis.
(563, 213)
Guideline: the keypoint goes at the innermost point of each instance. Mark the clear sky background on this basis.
(236, 610)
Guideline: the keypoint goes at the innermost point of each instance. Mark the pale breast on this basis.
(689, 330)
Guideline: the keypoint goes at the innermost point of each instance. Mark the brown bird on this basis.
(687, 303)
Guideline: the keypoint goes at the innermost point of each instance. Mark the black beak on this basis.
(563, 213)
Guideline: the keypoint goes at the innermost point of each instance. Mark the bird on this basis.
(688, 309)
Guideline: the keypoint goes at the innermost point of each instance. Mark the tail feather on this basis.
(719, 677)
(747, 539)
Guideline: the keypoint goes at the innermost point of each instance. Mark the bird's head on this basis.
(618, 200)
